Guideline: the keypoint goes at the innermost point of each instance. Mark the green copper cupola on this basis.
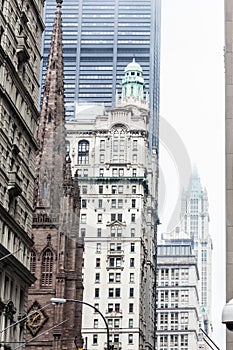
(133, 81)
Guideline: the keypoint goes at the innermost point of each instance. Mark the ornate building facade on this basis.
(117, 176)
(21, 28)
(56, 258)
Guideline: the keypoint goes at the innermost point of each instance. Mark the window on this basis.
(113, 217)
(83, 232)
(134, 172)
(101, 172)
(83, 152)
(117, 307)
(119, 231)
(116, 338)
(130, 339)
(111, 292)
(100, 203)
(85, 172)
(97, 262)
(116, 323)
(132, 247)
(133, 203)
(120, 203)
(98, 247)
(111, 278)
(84, 189)
(84, 203)
(47, 268)
(114, 172)
(115, 262)
(110, 322)
(33, 262)
(97, 277)
(117, 292)
(131, 262)
(95, 323)
(135, 145)
(113, 231)
(96, 305)
(101, 189)
(132, 232)
(83, 218)
(113, 203)
(118, 277)
(119, 217)
(99, 231)
(110, 307)
(120, 189)
(97, 292)
(130, 307)
(134, 188)
(95, 339)
(114, 189)
(131, 277)
(130, 323)
(131, 292)
(133, 217)
(99, 218)
(134, 159)
(101, 158)
(121, 172)
(102, 145)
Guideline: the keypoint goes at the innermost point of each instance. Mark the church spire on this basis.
(51, 133)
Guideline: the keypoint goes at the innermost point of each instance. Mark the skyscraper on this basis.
(100, 38)
(117, 173)
(195, 224)
(229, 152)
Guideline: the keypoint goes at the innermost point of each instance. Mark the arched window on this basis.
(33, 262)
(119, 144)
(83, 152)
(47, 268)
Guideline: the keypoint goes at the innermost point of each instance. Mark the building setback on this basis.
(100, 38)
(56, 257)
(21, 28)
(117, 173)
(229, 152)
(178, 307)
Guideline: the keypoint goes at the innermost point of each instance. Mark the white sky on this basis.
(192, 102)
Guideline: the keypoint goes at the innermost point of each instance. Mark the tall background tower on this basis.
(195, 224)
(100, 38)
(229, 152)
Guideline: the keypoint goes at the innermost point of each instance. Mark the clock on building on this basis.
(36, 318)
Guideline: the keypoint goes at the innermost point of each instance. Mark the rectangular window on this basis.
(85, 172)
(132, 247)
(116, 323)
(130, 307)
(113, 217)
(83, 218)
(131, 292)
(134, 172)
(99, 218)
(102, 145)
(118, 278)
(97, 262)
(119, 231)
(99, 231)
(117, 307)
(112, 247)
(135, 145)
(110, 292)
(84, 203)
(130, 339)
(100, 203)
(97, 292)
(114, 172)
(134, 189)
(131, 264)
(133, 203)
(84, 189)
(132, 232)
(97, 277)
(117, 292)
(113, 203)
(134, 158)
(131, 277)
(111, 278)
(120, 189)
(101, 158)
(119, 217)
(83, 232)
(114, 189)
(98, 247)
(95, 323)
(133, 217)
(120, 203)
(121, 172)
(101, 172)
(130, 323)
(95, 339)
(110, 307)
(101, 189)
(113, 231)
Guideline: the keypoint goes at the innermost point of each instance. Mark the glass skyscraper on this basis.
(100, 37)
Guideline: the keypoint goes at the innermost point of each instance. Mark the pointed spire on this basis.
(51, 133)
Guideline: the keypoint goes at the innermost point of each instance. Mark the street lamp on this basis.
(62, 301)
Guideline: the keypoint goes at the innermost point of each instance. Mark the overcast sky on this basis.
(192, 102)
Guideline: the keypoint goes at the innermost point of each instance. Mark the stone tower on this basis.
(56, 257)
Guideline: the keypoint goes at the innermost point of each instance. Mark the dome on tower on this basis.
(133, 66)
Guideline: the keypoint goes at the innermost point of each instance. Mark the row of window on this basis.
(114, 189)
(115, 247)
(113, 323)
(115, 262)
(115, 203)
(116, 231)
(113, 217)
(115, 338)
(114, 277)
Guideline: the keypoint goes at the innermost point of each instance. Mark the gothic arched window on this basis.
(83, 152)
(47, 268)
(33, 262)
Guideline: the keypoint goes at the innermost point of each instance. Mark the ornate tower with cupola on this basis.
(56, 257)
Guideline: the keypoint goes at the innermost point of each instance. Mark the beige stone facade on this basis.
(21, 28)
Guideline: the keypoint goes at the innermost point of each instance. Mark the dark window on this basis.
(133, 203)
(132, 247)
(131, 262)
(33, 262)
(131, 292)
(101, 189)
(133, 217)
(47, 268)
(84, 203)
(83, 152)
(97, 292)
(117, 292)
(99, 232)
(130, 307)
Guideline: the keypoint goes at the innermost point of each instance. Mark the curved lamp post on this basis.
(62, 301)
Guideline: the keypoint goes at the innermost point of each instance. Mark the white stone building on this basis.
(118, 181)
(178, 307)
